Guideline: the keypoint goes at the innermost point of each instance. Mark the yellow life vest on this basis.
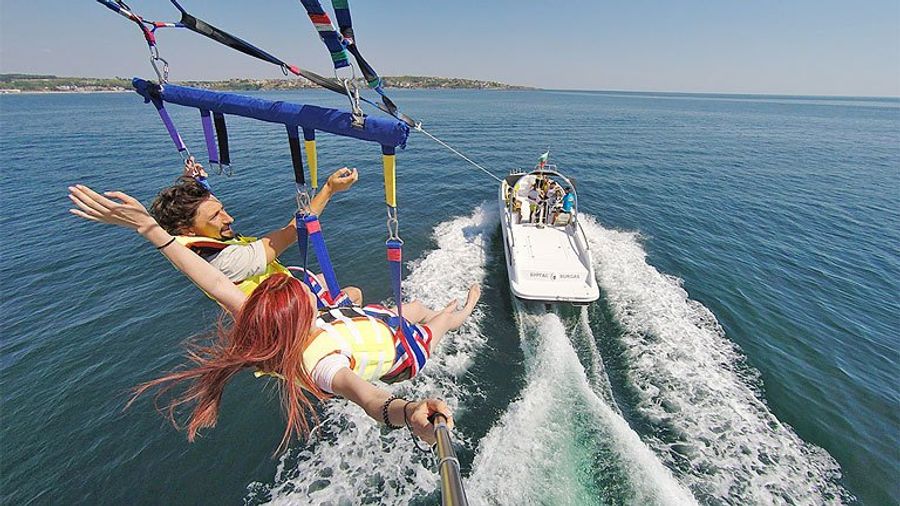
(368, 342)
(197, 243)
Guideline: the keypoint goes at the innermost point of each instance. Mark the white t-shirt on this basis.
(239, 261)
(323, 373)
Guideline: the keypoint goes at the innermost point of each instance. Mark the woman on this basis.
(275, 331)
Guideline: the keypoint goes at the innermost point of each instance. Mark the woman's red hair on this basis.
(269, 334)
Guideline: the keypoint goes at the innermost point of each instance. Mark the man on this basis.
(534, 199)
(568, 201)
(189, 211)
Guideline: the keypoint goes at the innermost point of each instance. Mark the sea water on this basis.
(743, 351)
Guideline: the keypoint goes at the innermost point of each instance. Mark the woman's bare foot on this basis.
(472, 299)
(460, 316)
(450, 318)
(451, 306)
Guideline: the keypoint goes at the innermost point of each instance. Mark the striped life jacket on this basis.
(367, 341)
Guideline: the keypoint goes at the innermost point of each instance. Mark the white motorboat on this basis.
(547, 253)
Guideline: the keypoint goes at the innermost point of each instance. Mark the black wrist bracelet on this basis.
(384, 413)
(170, 241)
(406, 416)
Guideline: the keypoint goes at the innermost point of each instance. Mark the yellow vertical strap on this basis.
(312, 160)
(390, 179)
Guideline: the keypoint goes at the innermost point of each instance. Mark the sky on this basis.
(800, 47)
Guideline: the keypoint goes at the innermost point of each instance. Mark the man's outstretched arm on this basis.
(277, 241)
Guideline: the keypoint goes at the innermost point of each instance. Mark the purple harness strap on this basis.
(167, 121)
(210, 136)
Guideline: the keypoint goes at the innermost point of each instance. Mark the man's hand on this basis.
(193, 169)
(342, 179)
(127, 212)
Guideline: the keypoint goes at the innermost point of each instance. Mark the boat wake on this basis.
(709, 421)
(561, 442)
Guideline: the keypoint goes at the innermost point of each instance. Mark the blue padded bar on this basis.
(385, 131)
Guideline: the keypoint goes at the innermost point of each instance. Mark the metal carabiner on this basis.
(359, 119)
(393, 225)
(154, 57)
(304, 199)
(225, 169)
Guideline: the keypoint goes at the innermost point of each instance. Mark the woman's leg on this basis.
(416, 312)
(451, 319)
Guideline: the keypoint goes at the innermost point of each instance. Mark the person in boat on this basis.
(189, 211)
(568, 200)
(276, 332)
(534, 199)
(553, 197)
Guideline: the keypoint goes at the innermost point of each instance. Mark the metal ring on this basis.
(448, 459)
(352, 72)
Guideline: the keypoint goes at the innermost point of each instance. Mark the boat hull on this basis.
(547, 264)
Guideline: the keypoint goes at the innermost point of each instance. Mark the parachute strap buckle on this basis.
(393, 225)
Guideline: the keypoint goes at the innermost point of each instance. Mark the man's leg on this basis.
(355, 295)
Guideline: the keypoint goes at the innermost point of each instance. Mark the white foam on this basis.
(554, 444)
(352, 461)
(720, 436)
(598, 378)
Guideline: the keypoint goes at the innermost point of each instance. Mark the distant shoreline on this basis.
(29, 83)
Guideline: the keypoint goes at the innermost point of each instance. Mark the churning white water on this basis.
(720, 436)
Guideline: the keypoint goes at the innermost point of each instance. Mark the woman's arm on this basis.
(371, 398)
(129, 213)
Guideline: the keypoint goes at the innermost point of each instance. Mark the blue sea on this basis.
(744, 349)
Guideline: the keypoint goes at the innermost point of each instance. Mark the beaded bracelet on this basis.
(384, 413)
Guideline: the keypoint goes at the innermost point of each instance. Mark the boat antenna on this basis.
(452, 491)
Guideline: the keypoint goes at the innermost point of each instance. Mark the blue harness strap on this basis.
(414, 356)
(302, 237)
(314, 231)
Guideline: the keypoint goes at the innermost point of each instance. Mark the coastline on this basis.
(11, 84)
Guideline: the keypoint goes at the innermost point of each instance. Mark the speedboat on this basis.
(547, 254)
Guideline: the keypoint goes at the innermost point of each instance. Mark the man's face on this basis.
(212, 220)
